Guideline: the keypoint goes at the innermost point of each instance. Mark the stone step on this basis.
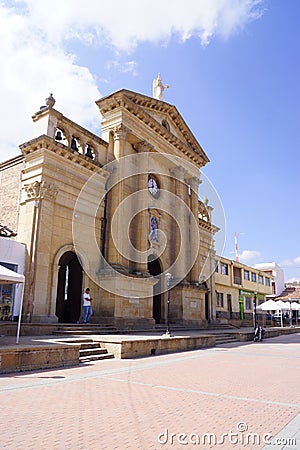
(91, 344)
(225, 338)
(85, 327)
(83, 359)
(92, 351)
(84, 331)
(220, 326)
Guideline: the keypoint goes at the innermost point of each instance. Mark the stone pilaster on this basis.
(142, 219)
(115, 197)
(119, 135)
(194, 236)
(38, 212)
(181, 215)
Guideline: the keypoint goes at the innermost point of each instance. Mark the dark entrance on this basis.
(207, 306)
(69, 289)
(229, 306)
(154, 268)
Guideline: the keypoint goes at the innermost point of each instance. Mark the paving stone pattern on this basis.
(128, 404)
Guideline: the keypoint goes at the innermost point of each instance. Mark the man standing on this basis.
(87, 308)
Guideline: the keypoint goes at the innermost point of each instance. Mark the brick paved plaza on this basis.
(249, 391)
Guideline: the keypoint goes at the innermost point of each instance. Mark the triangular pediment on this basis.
(160, 116)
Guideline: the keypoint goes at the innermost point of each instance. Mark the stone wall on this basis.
(10, 182)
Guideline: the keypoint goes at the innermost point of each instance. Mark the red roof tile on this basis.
(289, 294)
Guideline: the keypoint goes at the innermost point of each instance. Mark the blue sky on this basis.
(233, 69)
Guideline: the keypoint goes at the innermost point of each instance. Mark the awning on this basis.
(8, 276)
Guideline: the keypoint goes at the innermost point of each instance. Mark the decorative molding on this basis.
(41, 189)
(46, 143)
(194, 183)
(134, 103)
(120, 132)
(178, 173)
(144, 147)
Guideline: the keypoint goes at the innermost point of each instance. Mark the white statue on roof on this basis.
(158, 88)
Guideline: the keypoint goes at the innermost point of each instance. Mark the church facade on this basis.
(119, 214)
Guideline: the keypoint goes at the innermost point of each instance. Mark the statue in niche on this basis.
(153, 229)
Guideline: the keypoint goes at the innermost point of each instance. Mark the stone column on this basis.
(181, 215)
(115, 197)
(119, 135)
(194, 236)
(142, 219)
(39, 204)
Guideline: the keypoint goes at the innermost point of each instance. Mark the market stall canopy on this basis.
(295, 306)
(269, 305)
(8, 276)
(285, 306)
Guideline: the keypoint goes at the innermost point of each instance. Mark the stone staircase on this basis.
(220, 326)
(225, 338)
(90, 350)
(84, 329)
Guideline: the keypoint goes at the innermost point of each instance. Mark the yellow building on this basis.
(235, 285)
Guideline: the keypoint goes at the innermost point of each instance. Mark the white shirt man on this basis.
(87, 308)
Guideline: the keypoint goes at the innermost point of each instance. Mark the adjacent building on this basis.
(236, 284)
(277, 274)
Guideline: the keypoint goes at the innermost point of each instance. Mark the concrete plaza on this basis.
(233, 396)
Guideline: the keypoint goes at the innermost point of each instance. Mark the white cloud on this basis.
(290, 262)
(123, 67)
(248, 255)
(293, 280)
(125, 24)
(31, 68)
(286, 263)
(34, 60)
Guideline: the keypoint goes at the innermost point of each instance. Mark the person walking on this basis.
(87, 307)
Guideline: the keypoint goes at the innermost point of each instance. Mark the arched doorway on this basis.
(155, 270)
(69, 288)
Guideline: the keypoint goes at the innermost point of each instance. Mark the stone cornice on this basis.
(208, 226)
(11, 162)
(45, 142)
(134, 103)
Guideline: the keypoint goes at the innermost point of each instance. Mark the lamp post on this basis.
(290, 312)
(168, 281)
(254, 309)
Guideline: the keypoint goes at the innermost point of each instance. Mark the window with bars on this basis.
(237, 275)
(220, 299)
(248, 303)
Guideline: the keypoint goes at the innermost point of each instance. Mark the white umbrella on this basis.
(296, 307)
(284, 305)
(270, 305)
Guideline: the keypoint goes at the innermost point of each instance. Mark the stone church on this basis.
(119, 214)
